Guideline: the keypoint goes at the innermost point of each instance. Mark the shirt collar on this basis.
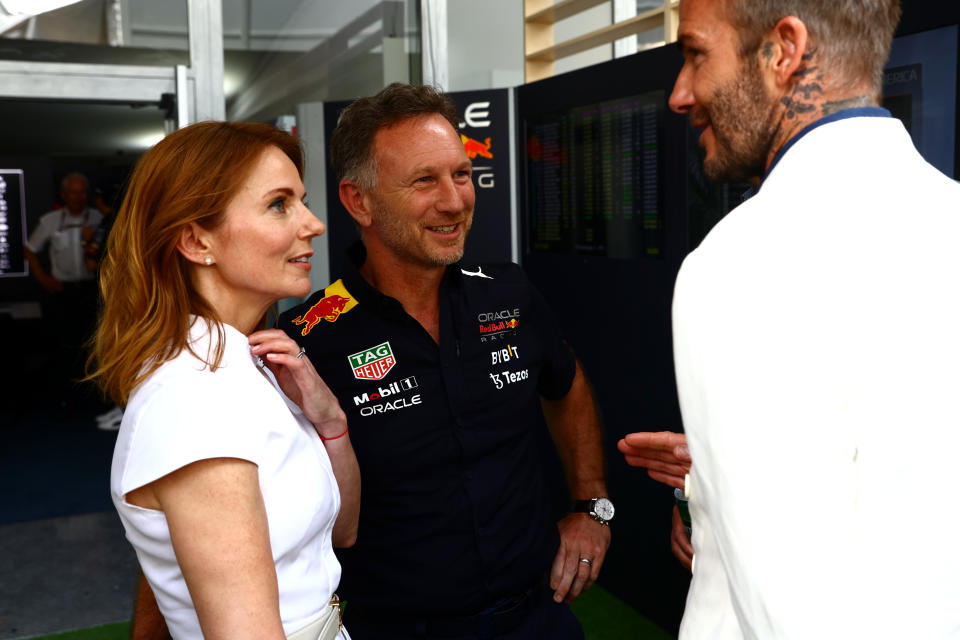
(361, 289)
(857, 112)
(356, 283)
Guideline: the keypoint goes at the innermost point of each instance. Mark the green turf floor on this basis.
(606, 617)
(603, 616)
(117, 631)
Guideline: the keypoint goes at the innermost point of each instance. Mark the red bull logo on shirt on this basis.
(373, 363)
(497, 325)
(336, 301)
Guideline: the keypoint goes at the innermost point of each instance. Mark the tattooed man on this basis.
(816, 335)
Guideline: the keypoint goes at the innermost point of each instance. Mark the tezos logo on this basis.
(509, 377)
(373, 363)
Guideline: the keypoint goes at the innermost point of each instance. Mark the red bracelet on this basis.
(335, 437)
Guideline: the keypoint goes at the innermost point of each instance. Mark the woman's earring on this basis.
(208, 261)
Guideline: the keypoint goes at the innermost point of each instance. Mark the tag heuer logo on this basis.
(372, 363)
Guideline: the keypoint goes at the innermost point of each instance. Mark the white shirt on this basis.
(64, 232)
(817, 349)
(184, 413)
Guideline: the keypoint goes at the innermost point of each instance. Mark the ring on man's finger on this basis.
(302, 351)
(587, 561)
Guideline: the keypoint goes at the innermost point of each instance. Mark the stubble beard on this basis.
(402, 240)
(743, 119)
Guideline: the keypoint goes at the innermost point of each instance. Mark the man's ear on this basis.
(356, 203)
(194, 244)
(785, 51)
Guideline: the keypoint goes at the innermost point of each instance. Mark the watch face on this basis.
(603, 508)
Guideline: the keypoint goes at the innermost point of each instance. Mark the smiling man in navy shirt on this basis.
(442, 369)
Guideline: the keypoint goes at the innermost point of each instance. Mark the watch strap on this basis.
(589, 507)
(583, 506)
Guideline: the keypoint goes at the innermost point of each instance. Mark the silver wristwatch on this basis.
(600, 509)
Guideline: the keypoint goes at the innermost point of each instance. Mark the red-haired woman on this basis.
(233, 471)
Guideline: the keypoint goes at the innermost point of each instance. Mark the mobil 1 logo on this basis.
(389, 397)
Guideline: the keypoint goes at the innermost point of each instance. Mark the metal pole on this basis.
(205, 20)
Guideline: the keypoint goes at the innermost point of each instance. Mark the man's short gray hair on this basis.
(351, 146)
(74, 176)
(852, 37)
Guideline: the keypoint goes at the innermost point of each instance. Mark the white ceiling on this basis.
(255, 31)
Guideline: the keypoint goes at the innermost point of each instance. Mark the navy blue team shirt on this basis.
(455, 513)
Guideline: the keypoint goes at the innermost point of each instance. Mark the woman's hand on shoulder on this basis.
(299, 380)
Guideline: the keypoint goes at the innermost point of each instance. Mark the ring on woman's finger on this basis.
(302, 351)
(586, 561)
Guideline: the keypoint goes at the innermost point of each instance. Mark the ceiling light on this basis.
(147, 140)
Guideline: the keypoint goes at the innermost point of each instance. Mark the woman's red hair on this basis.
(189, 176)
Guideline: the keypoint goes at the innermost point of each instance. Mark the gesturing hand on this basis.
(299, 380)
(663, 453)
(680, 541)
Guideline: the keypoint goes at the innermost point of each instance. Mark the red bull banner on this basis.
(485, 134)
(476, 148)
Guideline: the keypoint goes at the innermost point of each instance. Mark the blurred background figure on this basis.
(70, 299)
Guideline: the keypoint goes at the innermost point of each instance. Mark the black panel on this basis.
(615, 313)
(593, 178)
(924, 16)
(485, 132)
